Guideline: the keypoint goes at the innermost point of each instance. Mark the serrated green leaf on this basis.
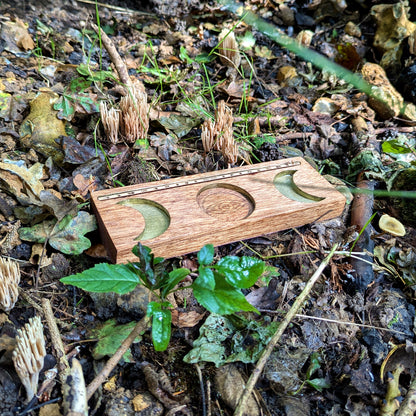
(241, 272)
(161, 324)
(206, 255)
(103, 278)
(222, 300)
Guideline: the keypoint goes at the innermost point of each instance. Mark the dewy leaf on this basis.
(103, 278)
(206, 278)
(241, 272)
(68, 239)
(161, 324)
(110, 337)
(206, 255)
(223, 300)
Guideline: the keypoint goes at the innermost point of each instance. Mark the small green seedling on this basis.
(317, 383)
(217, 288)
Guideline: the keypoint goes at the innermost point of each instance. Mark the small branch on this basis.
(114, 56)
(242, 403)
(140, 327)
(58, 345)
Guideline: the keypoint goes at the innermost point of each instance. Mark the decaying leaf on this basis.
(110, 336)
(66, 236)
(393, 26)
(42, 127)
(230, 385)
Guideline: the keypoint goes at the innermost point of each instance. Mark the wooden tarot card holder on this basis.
(179, 216)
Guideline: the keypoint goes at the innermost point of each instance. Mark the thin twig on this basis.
(114, 56)
(140, 327)
(201, 383)
(242, 403)
(335, 321)
(58, 345)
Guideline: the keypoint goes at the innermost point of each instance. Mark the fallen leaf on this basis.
(66, 236)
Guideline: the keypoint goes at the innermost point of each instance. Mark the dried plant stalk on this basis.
(9, 283)
(111, 121)
(134, 110)
(228, 49)
(29, 354)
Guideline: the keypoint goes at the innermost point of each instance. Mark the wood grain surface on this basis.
(216, 211)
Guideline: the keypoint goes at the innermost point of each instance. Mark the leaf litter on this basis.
(54, 153)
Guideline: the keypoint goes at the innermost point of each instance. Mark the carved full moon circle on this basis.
(225, 202)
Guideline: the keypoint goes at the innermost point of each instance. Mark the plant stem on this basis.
(239, 411)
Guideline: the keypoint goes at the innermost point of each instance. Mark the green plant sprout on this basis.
(317, 383)
(217, 287)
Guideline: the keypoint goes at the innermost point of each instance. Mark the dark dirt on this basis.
(357, 332)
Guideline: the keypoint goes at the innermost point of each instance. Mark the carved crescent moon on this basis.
(285, 184)
(156, 217)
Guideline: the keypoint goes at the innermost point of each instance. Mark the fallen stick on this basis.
(114, 55)
(239, 411)
(101, 377)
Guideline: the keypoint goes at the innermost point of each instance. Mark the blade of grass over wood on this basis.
(292, 45)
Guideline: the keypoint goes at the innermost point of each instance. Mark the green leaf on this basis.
(110, 337)
(204, 58)
(161, 324)
(222, 300)
(313, 366)
(146, 265)
(67, 236)
(183, 55)
(65, 108)
(103, 278)
(206, 255)
(175, 276)
(79, 84)
(319, 384)
(241, 272)
(84, 69)
(206, 278)
(394, 146)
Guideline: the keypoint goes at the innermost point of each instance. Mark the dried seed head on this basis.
(111, 121)
(134, 110)
(228, 49)
(9, 284)
(29, 354)
(218, 135)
